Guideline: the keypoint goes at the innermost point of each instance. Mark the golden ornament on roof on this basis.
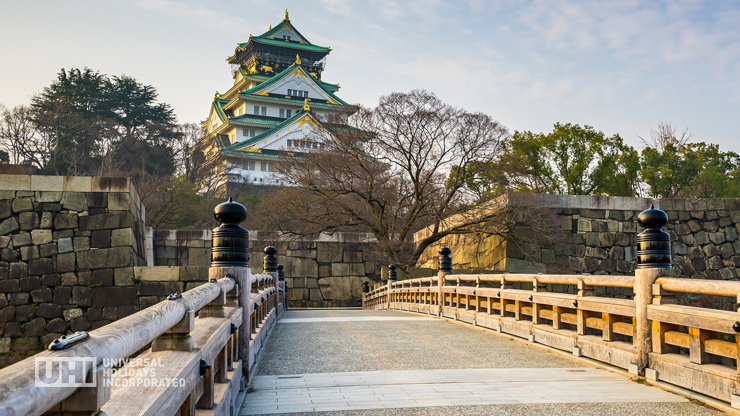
(297, 59)
(305, 105)
(270, 27)
(286, 16)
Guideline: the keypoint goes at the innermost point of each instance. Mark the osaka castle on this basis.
(272, 111)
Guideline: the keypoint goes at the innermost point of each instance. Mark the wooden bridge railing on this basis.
(191, 351)
(645, 331)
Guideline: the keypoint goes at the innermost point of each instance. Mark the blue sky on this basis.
(621, 66)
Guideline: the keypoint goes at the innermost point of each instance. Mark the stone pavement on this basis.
(390, 363)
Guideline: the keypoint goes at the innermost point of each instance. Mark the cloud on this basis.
(212, 19)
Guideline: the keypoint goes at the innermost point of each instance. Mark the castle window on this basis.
(250, 165)
(263, 167)
(290, 92)
(289, 142)
(264, 111)
(245, 132)
(287, 113)
(251, 133)
(257, 110)
(282, 113)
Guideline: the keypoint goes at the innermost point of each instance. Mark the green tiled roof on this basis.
(282, 74)
(294, 45)
(279, 26)
(261, 136)
(218, 104)
(247, 118)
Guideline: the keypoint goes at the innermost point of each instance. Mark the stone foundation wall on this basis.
(69, 246)
(325, 271)
(597, 235)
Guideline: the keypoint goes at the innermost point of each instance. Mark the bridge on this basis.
(448, 344)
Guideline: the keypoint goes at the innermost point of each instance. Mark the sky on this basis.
(620, 66)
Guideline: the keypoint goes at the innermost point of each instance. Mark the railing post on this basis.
(365, 291)
(653, 261)
(230, 257)
(282, 291)
(270, 266)
(445, 268)
(392, 278)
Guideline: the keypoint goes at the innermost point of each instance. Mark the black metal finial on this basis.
(281, 274)
(653, 244)
(365, 287)
(392, 275)
(230, 240)
(445, 261)
(270, 264)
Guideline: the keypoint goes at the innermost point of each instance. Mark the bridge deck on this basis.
(391, 363)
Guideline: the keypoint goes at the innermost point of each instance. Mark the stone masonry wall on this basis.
(325, 271)
(597, 235)
(69, 246)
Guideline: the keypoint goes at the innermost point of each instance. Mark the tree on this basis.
(571, 160)
(95, 124)
(18, 135)
(393, 170)
(682, 170)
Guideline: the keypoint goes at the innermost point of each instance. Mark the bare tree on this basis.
(666, 134)
(18, 135)
(395, 169)
(190, 135)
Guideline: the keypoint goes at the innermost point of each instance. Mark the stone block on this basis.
(159, 288)
(702, 238)
(121, 219)
(193, 273)
(12, 330)
(329, 253)
(6, 209)
(46, 183)
(77, 184)
(15, 182)
(315, 295)
(65, 245)
(106, 257)
(29, 252)
(118, 201)
(710, 226)
(22, 205)
(340, 269)
(51, 279)
(79, 324)
(4, 241)
(346, 288)
(100, 239)
(123, 276)
(592, 239)
(48, 196)
(62, 295)
(300, 267)
(730, 234)
(584, 225)
(122, 237)
(110, 313)
(57, 325)
(17, 270)
(17, 299)
(99, 184)
(352, 257)
(157, 274)
(28, 221)
(102, 277)
(81, 243)
(199, 256)
(357, 269)
(307, 253)
(41, 295)
(74, 201)
(38, 267)
(82, 296)
(84, 278)
(25, 313)
(41, 236)
(20, 240)
(8, 226)
(114, 296)
(65, 221)
(65, 263)
(35, 328)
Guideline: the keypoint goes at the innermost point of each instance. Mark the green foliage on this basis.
(95, 122)
(571, 160)
(691, 170)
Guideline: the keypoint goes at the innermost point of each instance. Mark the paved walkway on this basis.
(349, 362)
